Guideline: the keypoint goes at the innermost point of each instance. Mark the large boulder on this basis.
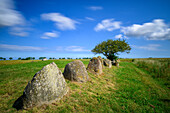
(100, 58)
(47, 86)
(107, 63)
(95, 66)
(76, 71)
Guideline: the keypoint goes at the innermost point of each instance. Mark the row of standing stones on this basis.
(48, 85)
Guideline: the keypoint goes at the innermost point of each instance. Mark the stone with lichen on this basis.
(76, 71)
(107, 63)
(100, 58)
(95, 66)
(47, 86)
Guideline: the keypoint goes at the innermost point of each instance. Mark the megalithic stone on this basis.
(76, 71)
(47, 86)
(95, 66)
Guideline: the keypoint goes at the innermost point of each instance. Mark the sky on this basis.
(72, 28)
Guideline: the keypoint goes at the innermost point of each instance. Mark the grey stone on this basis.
(100, 58)
(47, 86)
(95, 66)
(76, 71)
(107, 63)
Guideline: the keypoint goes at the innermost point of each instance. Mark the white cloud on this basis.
(149, 47)
(19, 31)
(72, 49)
(19, 48)
(9, 16)
(120, 36)
(62, 22)
(48, 35)
(94, 8)
(108, 24)
(88, 18)
(155, 30)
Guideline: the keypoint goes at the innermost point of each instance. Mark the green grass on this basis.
(158, 69)
(124, 89)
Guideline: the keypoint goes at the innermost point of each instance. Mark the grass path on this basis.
(124, 89)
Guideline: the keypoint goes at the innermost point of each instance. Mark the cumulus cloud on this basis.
(155, 30)
(88, 18)
(72, 49)
(120, 36)
(149, 47)
(94, 8)
(108, 24)
(19, 48)
(8, 15)
(62, 22)
(49, 35)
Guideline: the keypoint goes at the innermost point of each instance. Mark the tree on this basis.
(19, 58)
(1, 58)
(42, 58)
(110, 48)
(33, 58)
(10, 58)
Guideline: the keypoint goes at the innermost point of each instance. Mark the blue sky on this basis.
(72, 28)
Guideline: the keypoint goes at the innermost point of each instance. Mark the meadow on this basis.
(139, 86)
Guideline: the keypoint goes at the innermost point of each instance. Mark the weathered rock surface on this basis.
(47, 86)
(100, 58)
(76, 71)
(95, 66)
(107, 63)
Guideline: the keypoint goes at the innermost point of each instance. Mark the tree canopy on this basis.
(110, 48)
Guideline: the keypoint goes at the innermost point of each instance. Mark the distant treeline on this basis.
(40, 58)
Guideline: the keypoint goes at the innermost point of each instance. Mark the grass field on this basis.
(129, 88)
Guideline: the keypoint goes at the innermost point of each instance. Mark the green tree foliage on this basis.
(110, 48)
(19, 58)
(10, 58)
(1, 58)
(41, 58)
